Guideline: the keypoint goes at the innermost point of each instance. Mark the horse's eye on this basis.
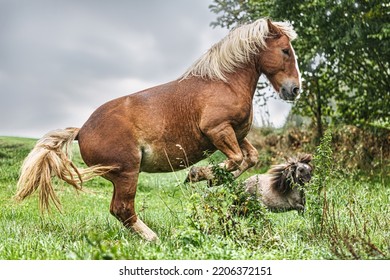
(286, 51)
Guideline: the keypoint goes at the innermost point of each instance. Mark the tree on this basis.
(343, 54)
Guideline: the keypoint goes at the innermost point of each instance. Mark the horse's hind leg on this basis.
(122, 204)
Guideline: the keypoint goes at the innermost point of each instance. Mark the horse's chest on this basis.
(242, 129)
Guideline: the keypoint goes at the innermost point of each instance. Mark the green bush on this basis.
(225, 211)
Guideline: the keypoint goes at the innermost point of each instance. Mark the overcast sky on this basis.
(60, 60)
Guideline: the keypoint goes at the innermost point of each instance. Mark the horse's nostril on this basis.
(295, 90)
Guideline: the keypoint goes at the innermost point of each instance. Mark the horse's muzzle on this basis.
(289, 92)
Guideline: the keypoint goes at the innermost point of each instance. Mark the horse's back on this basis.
(256, 184)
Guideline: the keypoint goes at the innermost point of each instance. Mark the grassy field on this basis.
(347, 217)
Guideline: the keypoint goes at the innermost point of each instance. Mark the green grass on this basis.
(351, 221)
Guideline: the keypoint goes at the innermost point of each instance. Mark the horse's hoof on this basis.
(145, 232)
(192, 175)
(187, 180)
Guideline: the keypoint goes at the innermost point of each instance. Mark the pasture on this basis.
(347, 217)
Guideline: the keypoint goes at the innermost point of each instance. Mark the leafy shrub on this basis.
(225, 210)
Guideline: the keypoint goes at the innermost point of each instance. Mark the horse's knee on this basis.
(234, 162)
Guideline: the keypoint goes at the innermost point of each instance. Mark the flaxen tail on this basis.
(51, 157)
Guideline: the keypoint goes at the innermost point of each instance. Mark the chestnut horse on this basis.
(170, 126)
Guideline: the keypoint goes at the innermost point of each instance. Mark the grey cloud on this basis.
(60, 59)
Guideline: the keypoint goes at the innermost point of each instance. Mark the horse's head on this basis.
(302, 173)
(289, 179)
(279, 64)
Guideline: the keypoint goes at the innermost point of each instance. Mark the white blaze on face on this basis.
(299, 73)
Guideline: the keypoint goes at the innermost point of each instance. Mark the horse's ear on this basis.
(273, 31)
(306, 158)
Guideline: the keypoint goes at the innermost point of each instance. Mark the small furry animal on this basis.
(281, 188)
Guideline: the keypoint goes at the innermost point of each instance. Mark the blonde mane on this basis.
(281, 174)
(236, 50)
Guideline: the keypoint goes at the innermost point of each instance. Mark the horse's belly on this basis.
(171, 157)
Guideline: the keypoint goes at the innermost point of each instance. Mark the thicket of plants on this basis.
(341, 214)
(347, 214)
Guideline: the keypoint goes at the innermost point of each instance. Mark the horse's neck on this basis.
(244, 81)
(269, 193)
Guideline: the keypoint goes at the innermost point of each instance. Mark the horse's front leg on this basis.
(224, 139)
(251, 157)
